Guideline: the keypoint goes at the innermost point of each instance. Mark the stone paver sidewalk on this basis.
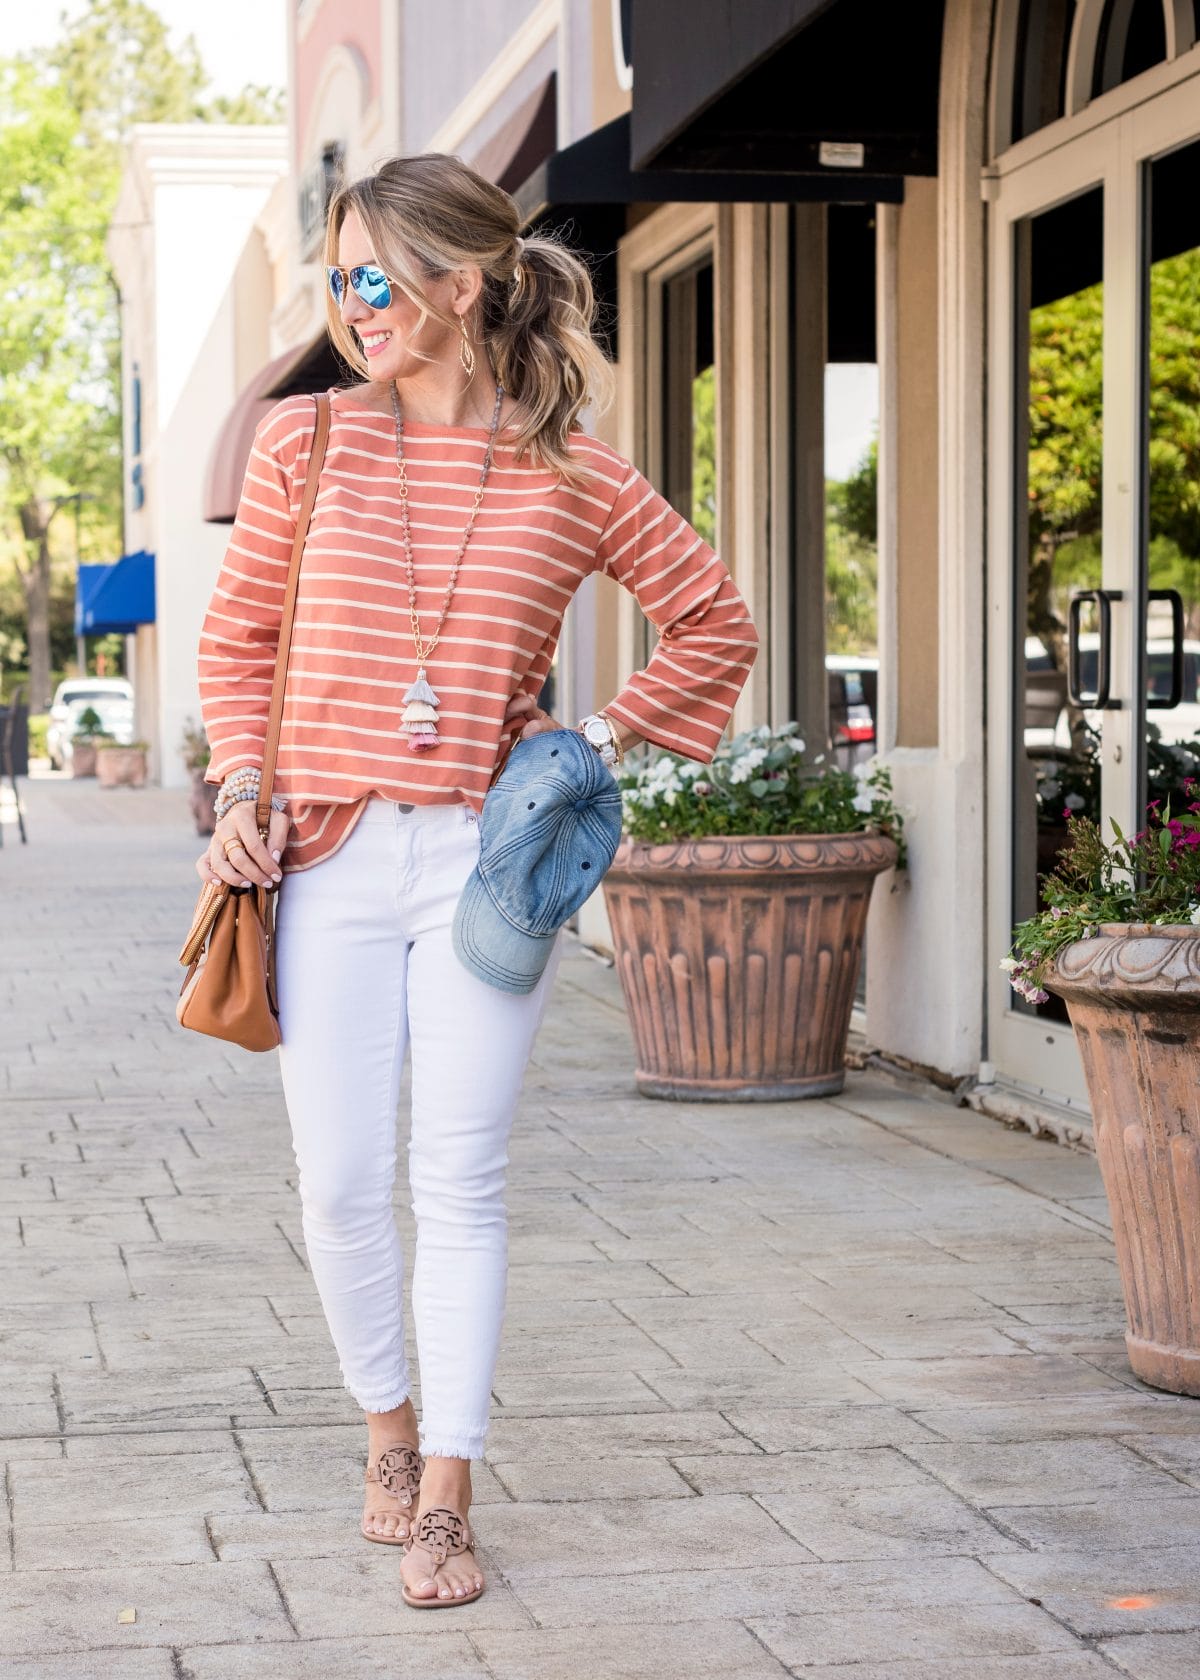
(833, 1389)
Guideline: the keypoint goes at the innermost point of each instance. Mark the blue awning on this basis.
(115, 598)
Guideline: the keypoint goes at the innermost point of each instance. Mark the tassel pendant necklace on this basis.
(419, 720)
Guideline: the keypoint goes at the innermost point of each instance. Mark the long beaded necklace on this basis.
(419, 719)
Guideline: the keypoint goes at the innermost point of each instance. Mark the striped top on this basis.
(352, 656)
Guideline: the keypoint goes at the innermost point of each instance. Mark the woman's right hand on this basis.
(248, 862)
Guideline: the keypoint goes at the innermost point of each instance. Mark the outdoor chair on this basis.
(14, 751)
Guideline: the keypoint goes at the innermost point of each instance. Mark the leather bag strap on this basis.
(312, 479)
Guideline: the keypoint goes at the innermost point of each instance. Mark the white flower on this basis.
(670, 796)
(1008, 964)
(1075, 802)
(864, 772)
(1195, 916)
(796, 745)
(744, 768)
(863, 801)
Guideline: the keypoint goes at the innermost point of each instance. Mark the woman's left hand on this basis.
(525, 706)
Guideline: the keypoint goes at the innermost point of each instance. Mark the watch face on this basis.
(597, 732)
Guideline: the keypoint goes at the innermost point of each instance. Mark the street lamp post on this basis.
(78, 497)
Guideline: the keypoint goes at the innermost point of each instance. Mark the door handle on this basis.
(1176, 694)
(1100, 701)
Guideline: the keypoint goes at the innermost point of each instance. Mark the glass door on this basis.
(1170, 584)
(1094, 533)
(1051, 435)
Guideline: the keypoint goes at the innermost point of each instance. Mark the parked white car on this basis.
(111, 697)
(1047, 724)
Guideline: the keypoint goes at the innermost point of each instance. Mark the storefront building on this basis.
(1032, 166)
(194, 246)
(977, 213)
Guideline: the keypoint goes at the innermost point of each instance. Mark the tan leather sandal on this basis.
(442, 1533)
(398, 1472)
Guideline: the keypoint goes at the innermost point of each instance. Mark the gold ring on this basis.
(229, 846)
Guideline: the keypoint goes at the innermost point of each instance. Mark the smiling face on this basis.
(386, 335)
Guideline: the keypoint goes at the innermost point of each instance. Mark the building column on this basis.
(809, 351)
(925, 973)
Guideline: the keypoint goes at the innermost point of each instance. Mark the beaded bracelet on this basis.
(278, 803)
(225, 802)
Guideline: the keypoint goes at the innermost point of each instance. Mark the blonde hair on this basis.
(431, 213)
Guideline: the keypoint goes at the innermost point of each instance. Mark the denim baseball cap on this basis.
(550, 826)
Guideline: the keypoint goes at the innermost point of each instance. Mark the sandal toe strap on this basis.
(398, 1472)
(443, 1534)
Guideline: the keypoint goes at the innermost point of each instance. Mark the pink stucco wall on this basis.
(351, 23)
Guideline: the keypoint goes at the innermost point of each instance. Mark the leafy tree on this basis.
(57, 338)
(1174, 445)
(851, 587)
(851, 558)
(64, 117)
(1066, 390)
(254, 104)
(116, 66)
(856, 499)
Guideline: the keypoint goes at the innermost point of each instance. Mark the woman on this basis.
(460, 507)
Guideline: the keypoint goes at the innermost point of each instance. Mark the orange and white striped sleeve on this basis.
(684, 697)
(240, 633)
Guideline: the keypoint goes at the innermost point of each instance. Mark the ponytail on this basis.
(431, 213)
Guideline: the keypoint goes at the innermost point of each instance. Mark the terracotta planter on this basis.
(83, 758)
(739, 957)
(201, 803)
(121, 767)
(1133, 993)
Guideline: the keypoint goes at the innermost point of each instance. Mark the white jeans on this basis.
(366, 969)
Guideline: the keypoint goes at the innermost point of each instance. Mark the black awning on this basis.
(596, 171)
(315, 366)
(776, 86)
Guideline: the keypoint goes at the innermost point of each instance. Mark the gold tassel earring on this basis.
(466, 354)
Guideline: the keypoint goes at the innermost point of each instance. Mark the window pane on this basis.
(1133, 38)
(1056, 764)
(1044, 33)
(1172, 532)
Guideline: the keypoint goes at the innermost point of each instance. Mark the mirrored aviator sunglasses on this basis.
(369, 282)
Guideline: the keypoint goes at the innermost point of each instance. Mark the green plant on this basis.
(758, 783)
(1069, 784)
(1153, 877)
(38, 725)
(109, 743)
(88, 725)
(193, 746)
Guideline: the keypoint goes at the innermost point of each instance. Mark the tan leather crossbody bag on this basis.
(229, 989)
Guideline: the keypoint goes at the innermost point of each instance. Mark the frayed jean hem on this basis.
(451, 1446)
(387, 1401)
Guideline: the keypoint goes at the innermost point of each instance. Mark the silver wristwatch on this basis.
(598, 732)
